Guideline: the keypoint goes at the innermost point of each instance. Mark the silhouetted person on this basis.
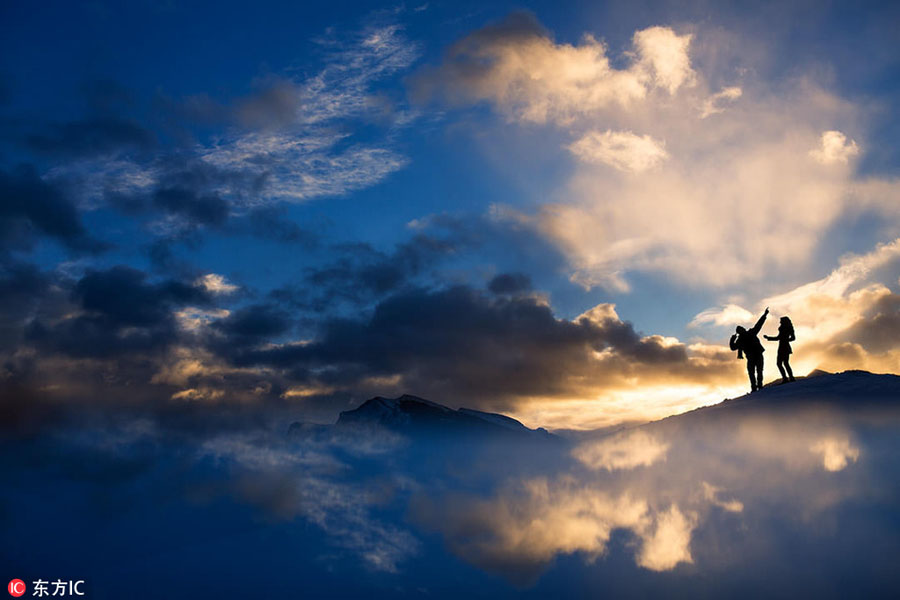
(746, 342)
(785, 337)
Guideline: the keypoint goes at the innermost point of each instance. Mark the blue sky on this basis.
(615, 186)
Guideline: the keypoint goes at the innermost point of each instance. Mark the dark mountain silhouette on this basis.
(410, 414)
(847, 396)
(417, 417)
(848, 388)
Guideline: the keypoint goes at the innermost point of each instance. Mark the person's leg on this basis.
(750, 373)
(787, 365)
(780, 363)
(759, 372)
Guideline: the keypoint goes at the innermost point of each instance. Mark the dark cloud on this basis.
(21, 288)
(177, 115)
(466, 62)
(276, 104)
(191, 191)
(362, 274)
(879, 329)
(91, 137)
(123, 294)
(209, 209)
(273, 223)
(254, 323)
(509, 283)
(121, 313)
(460, 341)
(29, 206)
(98, 336)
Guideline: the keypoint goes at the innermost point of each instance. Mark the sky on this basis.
(558, 211)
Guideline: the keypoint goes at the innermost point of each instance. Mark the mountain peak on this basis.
(412, 414)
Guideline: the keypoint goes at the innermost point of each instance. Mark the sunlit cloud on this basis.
(835, 148)
(307, 391)
(192, 318)
(199, 394)
(622, 150)
(836, 452)
(727, 315)
(622, 451)
(802, 447)
(715, 103)
(668, 543)
(519, 69)
(216, 284)
(731, 199)
(526, 525)
(712, 494)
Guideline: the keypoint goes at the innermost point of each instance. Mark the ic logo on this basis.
(16, 588)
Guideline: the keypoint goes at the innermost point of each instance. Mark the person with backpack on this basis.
(747, 344)
(784, 338)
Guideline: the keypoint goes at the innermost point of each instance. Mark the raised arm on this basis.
(759, 323)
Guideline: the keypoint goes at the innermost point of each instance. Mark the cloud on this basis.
(837, 452)
(713, 104)
(203, 209)
(95, 136)
(525, 525)
(726, 315)
(664, 54)
(304, 478)
(492, 351)
(306, 156)
(708, 202)
(216, 284)
(22, 288)
(253, 323)
(845, 320)
(621, 451)
(835, 148)
(711, 494)
(296, 168)
(519, 69)
(292, 140)
(116, 313)
(123, 294)
(622, 150)
(669, 543)
(32, 206)
(509, 283)
(359, 275)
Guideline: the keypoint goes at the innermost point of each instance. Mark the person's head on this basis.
(739, 330)
(785, 320)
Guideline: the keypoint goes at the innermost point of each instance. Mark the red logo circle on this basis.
(16, 588)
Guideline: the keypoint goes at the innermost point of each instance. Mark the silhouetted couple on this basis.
(746, 342)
